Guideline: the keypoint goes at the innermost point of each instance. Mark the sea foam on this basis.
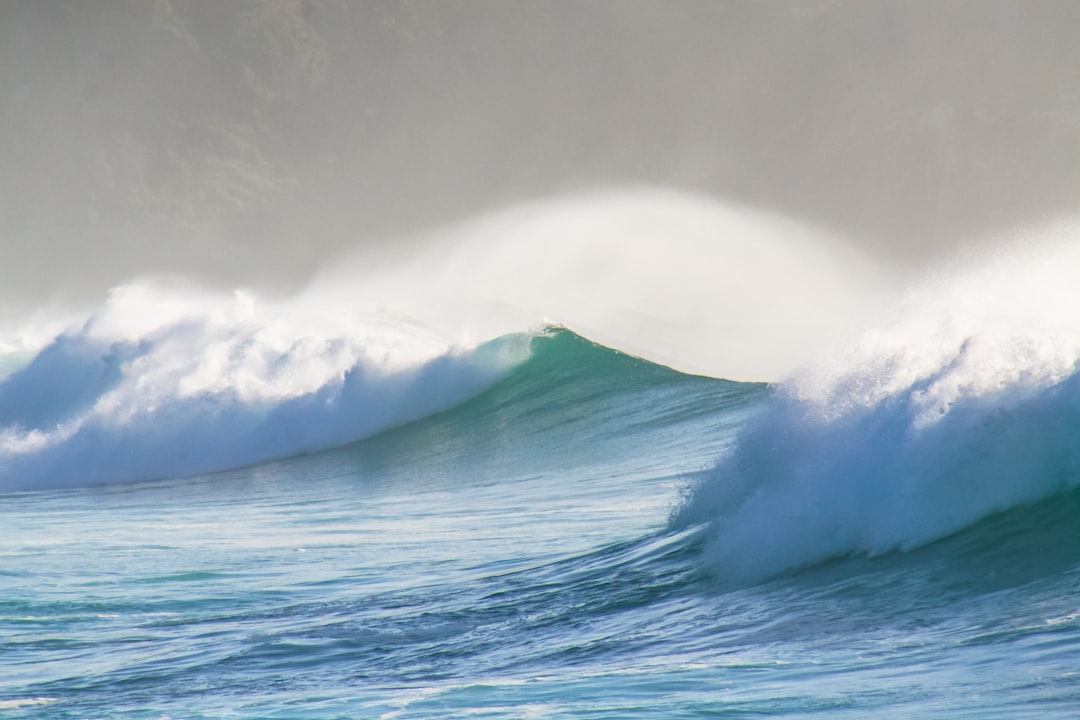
(163, 381)
(967, 405)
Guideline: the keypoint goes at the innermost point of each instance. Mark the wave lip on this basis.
(158, 384)
(967, 406)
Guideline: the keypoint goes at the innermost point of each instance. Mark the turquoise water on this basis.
(572, 541)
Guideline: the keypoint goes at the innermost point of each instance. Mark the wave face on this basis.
(966, 406)
(165, 382)
(575, 404)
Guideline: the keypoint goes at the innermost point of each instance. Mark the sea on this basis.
(212, 510)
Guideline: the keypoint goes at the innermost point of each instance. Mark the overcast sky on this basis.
(247, 141)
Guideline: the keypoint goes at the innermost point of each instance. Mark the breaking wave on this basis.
(967, 405)
(168, 382)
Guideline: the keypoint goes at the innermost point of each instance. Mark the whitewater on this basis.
(532, 470)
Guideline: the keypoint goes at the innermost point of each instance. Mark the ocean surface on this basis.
(224, 513)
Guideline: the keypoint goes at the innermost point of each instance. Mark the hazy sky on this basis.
(248, 141)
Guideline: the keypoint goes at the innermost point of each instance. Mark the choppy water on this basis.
(539, 527)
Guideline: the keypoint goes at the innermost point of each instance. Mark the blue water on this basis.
(539, 527)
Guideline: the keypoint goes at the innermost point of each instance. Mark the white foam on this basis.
(25, 702)
(163, 381)
(967, 405)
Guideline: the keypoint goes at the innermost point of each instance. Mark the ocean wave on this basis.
(163, 381)
(966, 406)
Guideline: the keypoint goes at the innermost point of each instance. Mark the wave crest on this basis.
(164, 382)
(967, 405)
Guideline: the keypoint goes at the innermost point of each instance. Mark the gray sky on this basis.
(246, 142)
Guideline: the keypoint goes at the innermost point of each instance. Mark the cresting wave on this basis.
(966, 406)
(167, 382)
(163, 381)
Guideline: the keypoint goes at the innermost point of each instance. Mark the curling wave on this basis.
(966, 406)
(163, 382)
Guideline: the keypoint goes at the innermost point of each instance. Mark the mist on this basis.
(253, 143)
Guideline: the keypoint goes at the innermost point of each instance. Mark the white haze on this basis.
(702, 286)
(485, 160)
